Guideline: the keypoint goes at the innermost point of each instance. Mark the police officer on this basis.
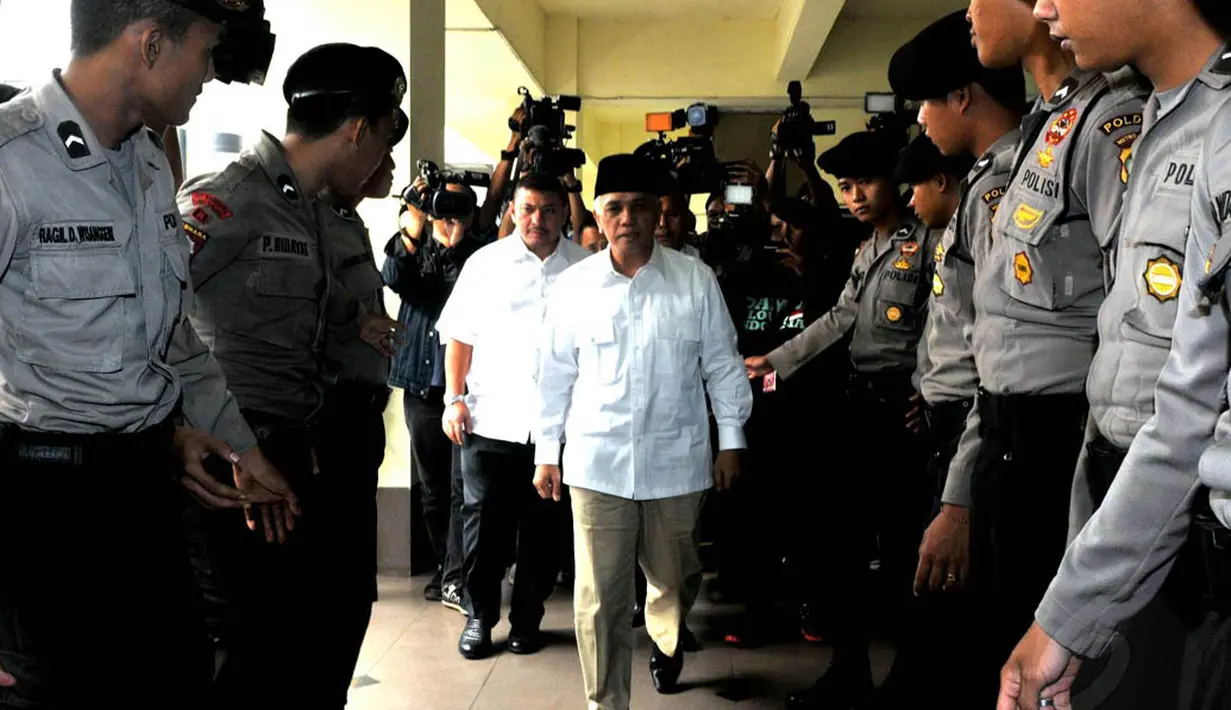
(106, 393)
(263, 288)
(350, 429)
(1036, 303)
(1146, 445)
(972, 112)
(885, 304)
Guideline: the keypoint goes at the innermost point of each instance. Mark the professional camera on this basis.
(438, 202)
(797, 127)
(546, 130)
(246, 48)
(890, 114)
(691, 159)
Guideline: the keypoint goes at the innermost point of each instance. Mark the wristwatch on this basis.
(452, 399)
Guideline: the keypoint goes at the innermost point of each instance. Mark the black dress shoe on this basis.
(476, 640)
(665, 670)
(839, 689)
(525, 642)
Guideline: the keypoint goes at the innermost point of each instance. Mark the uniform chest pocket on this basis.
(901, 293)
(1156, 271)
(286, 310)
(599, 353)
(1049, 263)
(677, 347)
(360, 277)
(73, 314)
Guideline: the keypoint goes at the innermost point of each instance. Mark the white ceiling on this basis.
(902, 9)
(668, 9)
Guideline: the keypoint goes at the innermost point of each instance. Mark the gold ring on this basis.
(951, 578)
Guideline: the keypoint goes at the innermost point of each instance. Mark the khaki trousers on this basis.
(610, 535)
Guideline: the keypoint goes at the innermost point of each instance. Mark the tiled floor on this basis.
(410, 662)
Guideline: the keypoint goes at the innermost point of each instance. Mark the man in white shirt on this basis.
(492, 327)
(633, 334)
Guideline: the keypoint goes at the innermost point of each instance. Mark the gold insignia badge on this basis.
(939, 255)
(893, 314)
(902, 264)
(910, 248)
(1027, 217)
(1163, 279)
(1022, 270)
(1125, 144)
(938, 285)
(1046, 158)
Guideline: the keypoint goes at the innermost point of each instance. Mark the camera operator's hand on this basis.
(412, 219)
(519, 115)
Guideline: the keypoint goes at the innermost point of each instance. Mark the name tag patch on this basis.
(76, 234)
(286, 246)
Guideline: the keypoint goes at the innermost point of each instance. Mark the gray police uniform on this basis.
(261, 280)
(885, 302)
(1136, 319)
(350, 440)
(1164, 331)
(949, 381)
(1036, 306)
(95, 354)
(262, 290)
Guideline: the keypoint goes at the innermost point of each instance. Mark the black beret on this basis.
(941, 59)
(922, 161)
(369, 75)
(868, 154)
(631, 173)
(224, 11)
(7, 92)
(400, 126)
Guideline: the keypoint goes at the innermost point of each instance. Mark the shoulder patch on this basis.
(211, 202)
(74, 140)
(196, 237)
(1128, 120)
(994, 194)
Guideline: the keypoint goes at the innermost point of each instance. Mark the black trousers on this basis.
(1019, 522)
(295, 609)
(438, 462)
(874, 509)
(96, 599)
(350, 446)
(502, 509)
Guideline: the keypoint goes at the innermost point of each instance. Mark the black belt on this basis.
(1214, 540)
(355, 393)
(1005, 416)
(888, 387)
(949, 418)
(77, 450)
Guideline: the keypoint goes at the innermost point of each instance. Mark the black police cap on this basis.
(366, 74)
(400, 126)
(223, 11)
(868, 154)
(941, 59)
(922, 161)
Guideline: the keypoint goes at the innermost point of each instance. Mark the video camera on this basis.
(691, 159)
(797, 127)
(545, 129)
(438, 202)
(246, 49)
(890, 114)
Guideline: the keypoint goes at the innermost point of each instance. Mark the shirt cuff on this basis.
(1068, 631)
(781, 363)
(547, 453)
(731, 438)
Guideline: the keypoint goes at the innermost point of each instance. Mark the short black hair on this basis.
(544, 184)
(588, 222)
(97, 23)
(316, 117)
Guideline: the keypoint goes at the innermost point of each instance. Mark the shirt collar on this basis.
(657, 265)
(75, 141)
(272, 157)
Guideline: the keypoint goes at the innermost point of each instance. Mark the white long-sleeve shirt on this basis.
(498, 306)
(623, 376)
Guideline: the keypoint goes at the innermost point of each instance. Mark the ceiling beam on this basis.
(803, 29)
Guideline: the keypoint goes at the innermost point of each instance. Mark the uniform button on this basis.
(1008, 456)
(29, 115)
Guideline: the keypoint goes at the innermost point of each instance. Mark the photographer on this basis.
(422, 272)
(526, 145)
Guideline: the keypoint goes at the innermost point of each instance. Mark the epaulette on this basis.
(19, 117)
